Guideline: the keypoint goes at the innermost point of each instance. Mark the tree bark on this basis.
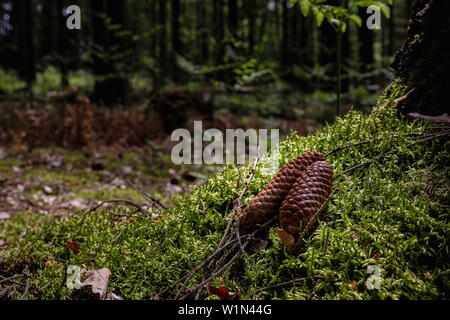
(111, 84)
(366, 44)
(22, 11)
(285, 39)
(176, 41)
(423, 62)
(233, 18)
(219, 34)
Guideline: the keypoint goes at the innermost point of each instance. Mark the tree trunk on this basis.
(285, 39)
(251, 9)
(153, 25)
(219, 34)
(233, 16)
(111, 84)
(162, 35)
(423, 62)
(366, 44)
(176, 41)
(202, 33)
(24, 32)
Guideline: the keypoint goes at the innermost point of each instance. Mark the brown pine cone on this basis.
(267, 203)
(306, 197)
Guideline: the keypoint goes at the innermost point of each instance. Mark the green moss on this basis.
(380, 216)
(395, 90)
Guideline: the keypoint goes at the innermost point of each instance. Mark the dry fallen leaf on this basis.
(286, 237)
(49, 263)
(377, 256)
(222, 293)
(48, 190)
(99, 280)
(4, 215)
(113, 296)
(3, 244)
(73, 246)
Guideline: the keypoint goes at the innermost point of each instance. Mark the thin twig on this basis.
(132, 203)
(240, 176)
(379, 168)
(284, 284)
(232, 260)
(159, 243)
(11, 278)
(203, 206)
(325, 245)
(212, 256)
(120, 233)
(434, 136)
(371, 139)
(239, 202)
(26, 290)
(145, 195)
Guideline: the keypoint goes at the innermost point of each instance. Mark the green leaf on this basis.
(305, 6)
(319, 15)
(356, 19)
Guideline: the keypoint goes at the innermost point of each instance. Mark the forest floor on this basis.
(55, 181)
(392, 215)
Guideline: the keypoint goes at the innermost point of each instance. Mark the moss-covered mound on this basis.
(392, 214)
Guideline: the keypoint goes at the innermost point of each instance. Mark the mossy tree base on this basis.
(423, 62)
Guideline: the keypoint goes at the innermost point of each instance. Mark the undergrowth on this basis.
(393, 215)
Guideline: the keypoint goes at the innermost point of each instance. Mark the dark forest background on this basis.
(242, 62)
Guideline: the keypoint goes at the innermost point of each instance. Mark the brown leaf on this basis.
(50, 262)
(113, 296)
(98, 279)
(4, 215)
(73, 246)
(222, 293)
(286, 237)
(354, 284)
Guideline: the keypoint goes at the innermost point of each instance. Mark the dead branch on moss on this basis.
(381, 156)
(372, 139)
(220, 269)
(129, 202)
(146, 196)
(286, 283)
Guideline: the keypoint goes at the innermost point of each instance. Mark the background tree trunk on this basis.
(24, 31)
(176, 41)
(423, 62)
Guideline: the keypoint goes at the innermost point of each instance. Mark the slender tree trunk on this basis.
(24, 28)
(294, 42)
(366, 44)
(233, 18)
(219, 34)
(63, 43)
(111, 85)
(251, 9)
(176, 41)
(153, 26)
(202, 33)
(391, 33)
(162, 35)
(285, 38)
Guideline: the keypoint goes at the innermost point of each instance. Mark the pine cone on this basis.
(269, 200)
(306, 197)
